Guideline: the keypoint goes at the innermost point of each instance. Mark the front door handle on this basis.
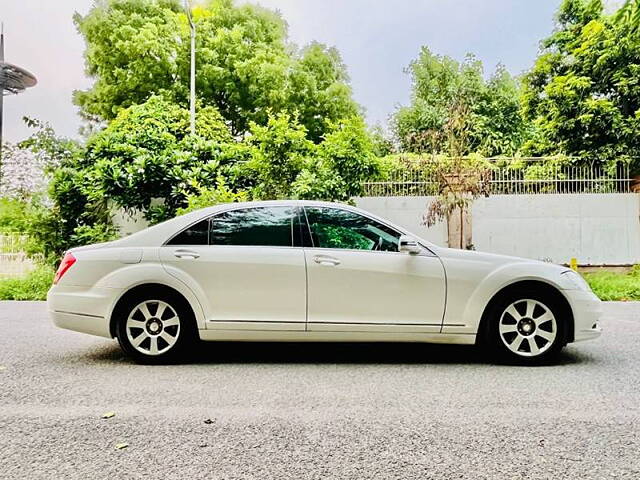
(186, 254)
(326, 260)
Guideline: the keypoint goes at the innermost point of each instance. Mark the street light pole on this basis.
(192, 80)
(1, 89)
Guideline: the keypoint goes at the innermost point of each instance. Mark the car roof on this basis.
(272, 203)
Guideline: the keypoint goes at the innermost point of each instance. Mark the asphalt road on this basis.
(315, 411)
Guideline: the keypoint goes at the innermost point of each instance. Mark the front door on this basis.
(357, 279)
(245, 267)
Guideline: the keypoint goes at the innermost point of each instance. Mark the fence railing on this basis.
(13, 242)
(513, 177)
(14, 261)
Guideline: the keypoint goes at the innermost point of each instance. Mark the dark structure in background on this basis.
(13, 80)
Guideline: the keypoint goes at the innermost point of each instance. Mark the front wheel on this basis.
(155, 328)
(527, 327)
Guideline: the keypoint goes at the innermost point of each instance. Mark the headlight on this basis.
(575, 279)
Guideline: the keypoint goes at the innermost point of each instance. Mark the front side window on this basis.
(337, 228)
(262, 226)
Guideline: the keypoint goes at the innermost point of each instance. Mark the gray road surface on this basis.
(251, 411)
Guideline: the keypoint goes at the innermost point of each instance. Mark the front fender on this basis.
(464, 317)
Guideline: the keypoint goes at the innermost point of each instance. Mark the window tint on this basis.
(264, 226)
(336, 228)
(196, 234)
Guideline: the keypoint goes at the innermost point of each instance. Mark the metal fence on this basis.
(512, 177)
(14, 261)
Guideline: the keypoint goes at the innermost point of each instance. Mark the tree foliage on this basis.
(583, 93)
(132, 49)
(287, 165)
(146, 160)
(147, 154)
(210, 196)
(246, 69)
(439, 82)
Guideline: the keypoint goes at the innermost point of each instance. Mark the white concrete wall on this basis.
(406, 212)
(129, 223)
(597, 229)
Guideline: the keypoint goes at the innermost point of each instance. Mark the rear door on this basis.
(245, 268)
(358, 281)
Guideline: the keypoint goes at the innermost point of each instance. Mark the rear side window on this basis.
(197, 234)
(262, 226)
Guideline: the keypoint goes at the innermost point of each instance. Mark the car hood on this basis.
(493, 259)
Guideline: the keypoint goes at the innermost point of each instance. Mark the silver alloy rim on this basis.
(153, 327)
(528, 327)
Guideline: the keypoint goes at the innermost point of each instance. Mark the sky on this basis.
(377, 40)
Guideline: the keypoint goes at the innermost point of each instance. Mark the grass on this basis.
(33, 286)
(613, 286)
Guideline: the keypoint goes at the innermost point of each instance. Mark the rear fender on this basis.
(131, 276)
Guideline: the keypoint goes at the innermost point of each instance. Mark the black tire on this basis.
(541, 337)
(176, 323)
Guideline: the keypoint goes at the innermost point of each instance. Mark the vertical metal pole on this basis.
(192, 80)
(1, 86)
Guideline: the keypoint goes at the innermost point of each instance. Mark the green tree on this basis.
(132, 51)
(147, 153)
(319, 90)
(210, 196)
(345, 158)
(286, 164)
(495, 124)
(583, 94)
(279, 150)
(246, 68)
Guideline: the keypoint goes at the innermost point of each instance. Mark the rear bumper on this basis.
(82, 309)
(81, 323)
(587, 312)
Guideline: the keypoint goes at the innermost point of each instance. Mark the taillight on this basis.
(67, 261)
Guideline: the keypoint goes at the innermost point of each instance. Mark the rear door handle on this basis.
(326, 260)
(186, 254)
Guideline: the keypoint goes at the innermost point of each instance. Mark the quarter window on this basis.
(196, 234)
(337, 228)
(262, 226)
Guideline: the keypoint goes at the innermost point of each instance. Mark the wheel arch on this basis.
(539, 285)
(142, 289)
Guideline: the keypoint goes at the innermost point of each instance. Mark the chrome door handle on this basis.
(326, 260)
(186, 254)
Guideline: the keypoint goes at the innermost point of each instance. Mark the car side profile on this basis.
(313, 271)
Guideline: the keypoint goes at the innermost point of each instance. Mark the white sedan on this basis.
(313, 271)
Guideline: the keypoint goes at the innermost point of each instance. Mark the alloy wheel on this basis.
(153, 327)
(528, 327)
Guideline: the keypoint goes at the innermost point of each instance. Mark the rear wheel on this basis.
(155, 328)
(527, 327)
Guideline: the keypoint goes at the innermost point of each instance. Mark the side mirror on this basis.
(409, 245)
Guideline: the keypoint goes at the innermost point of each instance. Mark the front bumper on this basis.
(587, 311)
(82, 309)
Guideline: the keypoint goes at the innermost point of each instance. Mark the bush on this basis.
(33, 286)
(208, 197)
(612, 286)
(14, 216)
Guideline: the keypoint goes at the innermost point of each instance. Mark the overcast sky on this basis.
(376, 38)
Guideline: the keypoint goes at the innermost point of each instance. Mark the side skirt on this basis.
(320, 336)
